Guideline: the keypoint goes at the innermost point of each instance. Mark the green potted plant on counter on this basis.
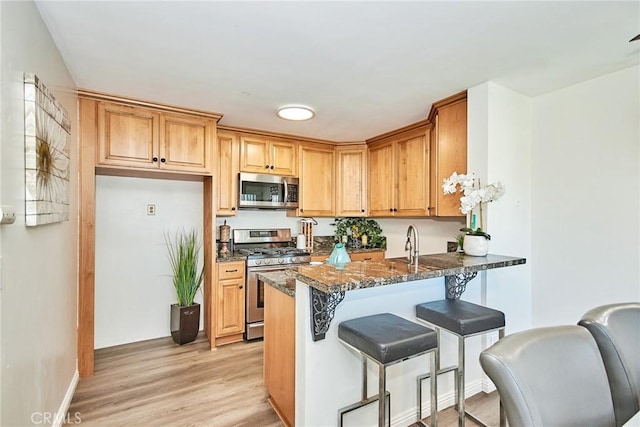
(357, 232)
(184, 251)
(476, 240)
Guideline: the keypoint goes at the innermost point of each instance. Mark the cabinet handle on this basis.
(240, 287)
(271, 166)
(155, 159)
(231, 271)
(163, 160)
(367, 259)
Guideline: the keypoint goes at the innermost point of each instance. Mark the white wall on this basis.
(499, 140)
(134, 291)
(586, 186)
(39, 265)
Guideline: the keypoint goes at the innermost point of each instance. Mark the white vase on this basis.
(475, 245)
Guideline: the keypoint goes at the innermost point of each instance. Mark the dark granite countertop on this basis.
(367, 274)
(231, 257)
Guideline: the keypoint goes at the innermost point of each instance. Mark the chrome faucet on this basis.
(412, 246)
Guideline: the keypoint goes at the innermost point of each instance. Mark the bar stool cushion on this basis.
(460, 317)
(386, 337)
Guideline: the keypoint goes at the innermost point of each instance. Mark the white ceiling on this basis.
(365, 67)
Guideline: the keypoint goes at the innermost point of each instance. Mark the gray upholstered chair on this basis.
(550, 377)
(616, 329)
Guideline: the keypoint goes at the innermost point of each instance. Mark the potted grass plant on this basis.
(184, 250)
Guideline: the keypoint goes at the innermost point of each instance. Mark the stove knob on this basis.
(258, 261)
(281, 260)
(294, 260)
(267, 261)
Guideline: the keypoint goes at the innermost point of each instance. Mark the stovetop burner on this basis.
(265, 247)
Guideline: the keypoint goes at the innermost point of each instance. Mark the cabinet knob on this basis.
(240, 287)
(233, 208)
(163, 160)
(266, 166)
(155, 159)
(362, 211)
(271, 166)
(390, 209)
(395, 210)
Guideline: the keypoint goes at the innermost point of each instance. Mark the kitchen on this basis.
(535, 144)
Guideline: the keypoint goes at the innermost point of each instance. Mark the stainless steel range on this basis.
(266, 250)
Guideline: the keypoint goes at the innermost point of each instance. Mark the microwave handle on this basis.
(286, 191)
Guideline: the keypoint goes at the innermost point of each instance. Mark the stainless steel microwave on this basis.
(262, 191)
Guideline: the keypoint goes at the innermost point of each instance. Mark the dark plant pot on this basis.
(185, 323)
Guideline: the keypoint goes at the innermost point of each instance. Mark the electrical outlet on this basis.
(151, 209)
(7, 214)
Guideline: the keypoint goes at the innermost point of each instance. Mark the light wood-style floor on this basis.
(157, 382)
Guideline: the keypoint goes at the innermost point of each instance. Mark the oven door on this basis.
(254, 313)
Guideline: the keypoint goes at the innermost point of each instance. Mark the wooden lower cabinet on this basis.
(279, 353)
(229, 307)
(355, 256)
(367, 256)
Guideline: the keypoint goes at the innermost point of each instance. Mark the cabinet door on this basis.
(449, 154)
(317, 182)
(230, 307)
(351, 188)
(186, 143)
(127, 136)
(367, 256)
(283, 158)
(411, 175)
(381, 179)
(228, 165)
(254, 155)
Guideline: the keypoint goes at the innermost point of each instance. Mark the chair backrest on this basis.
(550, 377)
(616, 329)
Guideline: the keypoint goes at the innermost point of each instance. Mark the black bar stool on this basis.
(387, 339)
(463, 319)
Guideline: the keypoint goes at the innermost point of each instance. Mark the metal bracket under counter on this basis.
(323, 305)
(323, 308)
(456, 285)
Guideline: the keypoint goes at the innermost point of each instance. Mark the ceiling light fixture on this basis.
(295, 112)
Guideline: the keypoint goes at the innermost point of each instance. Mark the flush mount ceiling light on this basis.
(295, 112)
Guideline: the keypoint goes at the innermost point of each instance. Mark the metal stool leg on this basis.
(382, 379)
(434, 390)
(461, 373)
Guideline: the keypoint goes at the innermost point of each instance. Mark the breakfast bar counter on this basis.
(327, 374)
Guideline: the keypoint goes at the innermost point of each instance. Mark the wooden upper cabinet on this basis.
(381, 179)
(186, 143)
(127, 136)
(351, 184)
(317, 181)
(448, 152)
(398, 175)
(411, 157)
(145, 138)
(266, 155)
(228, 166)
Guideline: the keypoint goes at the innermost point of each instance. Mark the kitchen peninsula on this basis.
(324, 374)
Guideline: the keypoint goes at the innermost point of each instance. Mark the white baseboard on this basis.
(61, 414)
(444, 401)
